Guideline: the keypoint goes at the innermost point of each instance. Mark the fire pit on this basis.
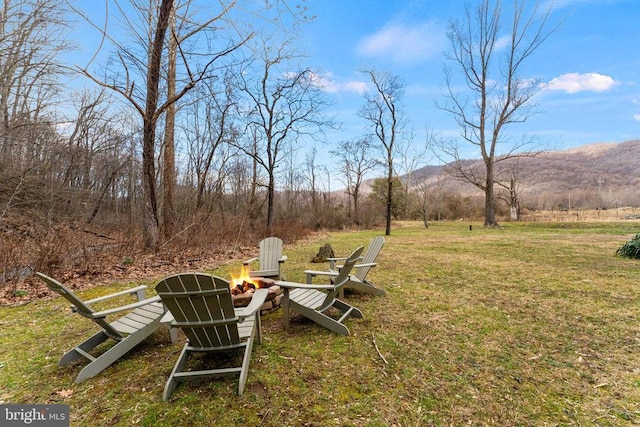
(243, 287)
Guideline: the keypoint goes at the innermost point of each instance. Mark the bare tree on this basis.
(355, 160)
(148, 101)
(210, 129)
(382, 111)
(411, 156)
(423, 194)
(94, 154)
(312, 169)
(510, 189)
(284, 104)
(32, 36)
(500, 95)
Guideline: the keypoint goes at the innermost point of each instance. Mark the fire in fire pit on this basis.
(243, 283)
(243, 287)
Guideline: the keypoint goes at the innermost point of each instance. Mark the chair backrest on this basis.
(370, 256)
(79, 306)
(270, 253)
(202, 307)
(341, 278)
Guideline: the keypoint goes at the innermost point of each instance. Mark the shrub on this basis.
(631, 249)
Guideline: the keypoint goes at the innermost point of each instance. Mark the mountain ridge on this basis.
(604, 173)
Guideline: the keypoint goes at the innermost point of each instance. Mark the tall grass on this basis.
(531, 324)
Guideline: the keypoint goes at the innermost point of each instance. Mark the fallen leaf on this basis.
(65, 393)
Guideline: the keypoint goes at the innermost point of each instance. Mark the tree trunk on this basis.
(513, 199)
(514, 213)
(490, 199)
(356, 206)
(253, 192)
(150, 207)
(169, 171)
(150, 215)
(270, 196)
(389, 201)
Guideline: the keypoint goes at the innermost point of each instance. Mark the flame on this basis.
(238, 280)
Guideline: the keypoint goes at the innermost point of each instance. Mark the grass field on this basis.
(531, 324)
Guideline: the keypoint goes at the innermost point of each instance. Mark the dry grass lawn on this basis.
(531, 324)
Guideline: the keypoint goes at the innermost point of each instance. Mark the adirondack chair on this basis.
(142, 320)
(202, 307)
(358, 280)
(271, 259)
(314, 301)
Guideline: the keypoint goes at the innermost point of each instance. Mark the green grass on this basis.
(530, 324)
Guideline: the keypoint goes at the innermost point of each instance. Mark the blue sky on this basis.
(591, 65)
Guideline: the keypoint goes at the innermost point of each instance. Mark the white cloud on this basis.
(355, 86)
(503, 42)
(636, 117)
(560, 4)
(575, 82)
(329, 84)
(404, 44)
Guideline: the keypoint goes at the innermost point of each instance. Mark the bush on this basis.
(631, 249)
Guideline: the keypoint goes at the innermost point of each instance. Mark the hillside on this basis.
(579, 177)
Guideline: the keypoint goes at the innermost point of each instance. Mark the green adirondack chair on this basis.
(142, 319)
(202, 307)
(270, 259)
(358, 280)
(316, 301)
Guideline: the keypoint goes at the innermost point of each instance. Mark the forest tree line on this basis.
(190, 123)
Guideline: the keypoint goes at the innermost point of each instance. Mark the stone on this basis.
(325, 252)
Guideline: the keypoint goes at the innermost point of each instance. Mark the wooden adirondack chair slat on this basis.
(308, 297)
(358, 280)
(139, 318)
(202, 307)
(270, 259)
(127, 331)
(314, 303)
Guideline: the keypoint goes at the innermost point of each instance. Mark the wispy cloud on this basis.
(559, 4)
(572, 4)
(503, 42)
(576, 82)
(404, 43)
(636, 117)
(330, 84)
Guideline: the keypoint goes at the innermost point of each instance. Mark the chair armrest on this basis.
(137, 290)
(263, 273)
(127, 307)
(332, 262)
(249, 261)
(331, 273)
(296, 285)
(259, 297)
(369, 264)
(283, 258)
(310, 274)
